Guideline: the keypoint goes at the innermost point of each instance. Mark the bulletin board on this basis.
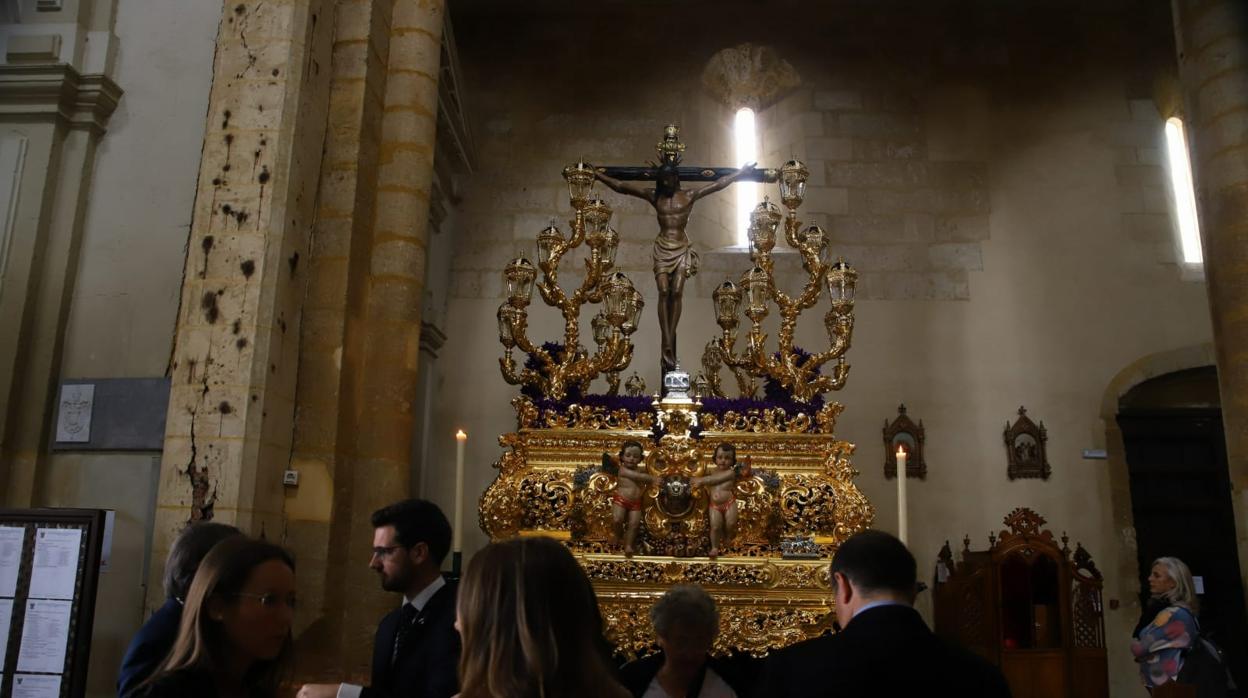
(49, 573)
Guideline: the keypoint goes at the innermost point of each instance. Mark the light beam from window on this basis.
(1184, 192)
(747, 151)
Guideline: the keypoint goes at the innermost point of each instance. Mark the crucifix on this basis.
(674, 257)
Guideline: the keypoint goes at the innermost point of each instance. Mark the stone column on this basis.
(231, 407)
(362, 322)
(1212, 41)
(319, 511)
(388, 341)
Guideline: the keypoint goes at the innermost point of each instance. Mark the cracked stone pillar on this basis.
(230, 419)
(1212, 40)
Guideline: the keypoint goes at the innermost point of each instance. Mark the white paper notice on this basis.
(45, 632)
(56, 563)
(11, 538)
(6, 619)
(27, 686)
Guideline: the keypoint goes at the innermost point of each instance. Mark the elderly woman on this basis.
(685, 624)
(1168, 627)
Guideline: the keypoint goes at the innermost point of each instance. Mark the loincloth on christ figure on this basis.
(675, 255)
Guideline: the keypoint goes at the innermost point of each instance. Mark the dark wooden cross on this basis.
(631, 173)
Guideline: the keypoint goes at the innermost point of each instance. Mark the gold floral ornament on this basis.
(800, 486)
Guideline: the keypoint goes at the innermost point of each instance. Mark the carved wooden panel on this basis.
(1030, 605)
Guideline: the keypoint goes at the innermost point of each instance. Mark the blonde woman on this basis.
(531, 626)
(1161, 644)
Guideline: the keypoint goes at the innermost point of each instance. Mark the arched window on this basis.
(747, 151)
(1184, 192)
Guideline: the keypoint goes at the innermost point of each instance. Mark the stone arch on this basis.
(1133, 374)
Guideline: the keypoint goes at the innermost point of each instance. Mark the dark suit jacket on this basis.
(149, 647)
(884, 651)
(428, 666)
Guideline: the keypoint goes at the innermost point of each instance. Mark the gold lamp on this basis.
(610, 246)
(632, 309)
(617, 295)
(764, 220)
(548, 241)
(793, 176)
(815, 240)
(701, 386)
(712, 357)
(757, 293)
(580, 183)
(727, 299)
(519, 275)
(597, 215)
(508, 316)
(841, 279)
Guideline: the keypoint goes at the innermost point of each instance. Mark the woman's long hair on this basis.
(530, 624)
(1184, 591)
(202, 643)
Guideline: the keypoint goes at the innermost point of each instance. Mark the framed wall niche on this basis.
(1025, 448)
(904, 433)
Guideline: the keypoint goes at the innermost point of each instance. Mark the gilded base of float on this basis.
(799, 491)
(764, 603)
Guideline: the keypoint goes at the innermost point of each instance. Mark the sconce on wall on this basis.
(903, 433)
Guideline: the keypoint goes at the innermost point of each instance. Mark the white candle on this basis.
(902, 524)
(457, 535)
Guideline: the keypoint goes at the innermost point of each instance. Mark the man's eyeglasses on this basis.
(271, 600)
(386, 551)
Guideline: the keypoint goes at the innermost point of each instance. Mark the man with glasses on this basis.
(416, 649)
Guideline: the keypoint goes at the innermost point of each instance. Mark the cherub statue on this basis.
(629, 487)
(722, 507)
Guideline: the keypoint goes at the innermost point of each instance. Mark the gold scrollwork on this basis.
(743, 625)
(548, 500)
(807, 504)
(800, 482)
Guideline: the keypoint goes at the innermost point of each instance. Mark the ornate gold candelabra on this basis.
(571, 366)
(797, 372)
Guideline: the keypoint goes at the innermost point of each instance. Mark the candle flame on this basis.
(460, 435)
(901, 451)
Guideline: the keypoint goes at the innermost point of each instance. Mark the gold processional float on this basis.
(796, 502)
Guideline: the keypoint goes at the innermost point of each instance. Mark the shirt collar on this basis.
(875, 604)
(422, 597)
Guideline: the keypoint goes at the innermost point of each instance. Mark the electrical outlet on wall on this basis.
(290, 477)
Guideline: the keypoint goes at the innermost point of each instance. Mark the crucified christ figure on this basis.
(674, 257)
